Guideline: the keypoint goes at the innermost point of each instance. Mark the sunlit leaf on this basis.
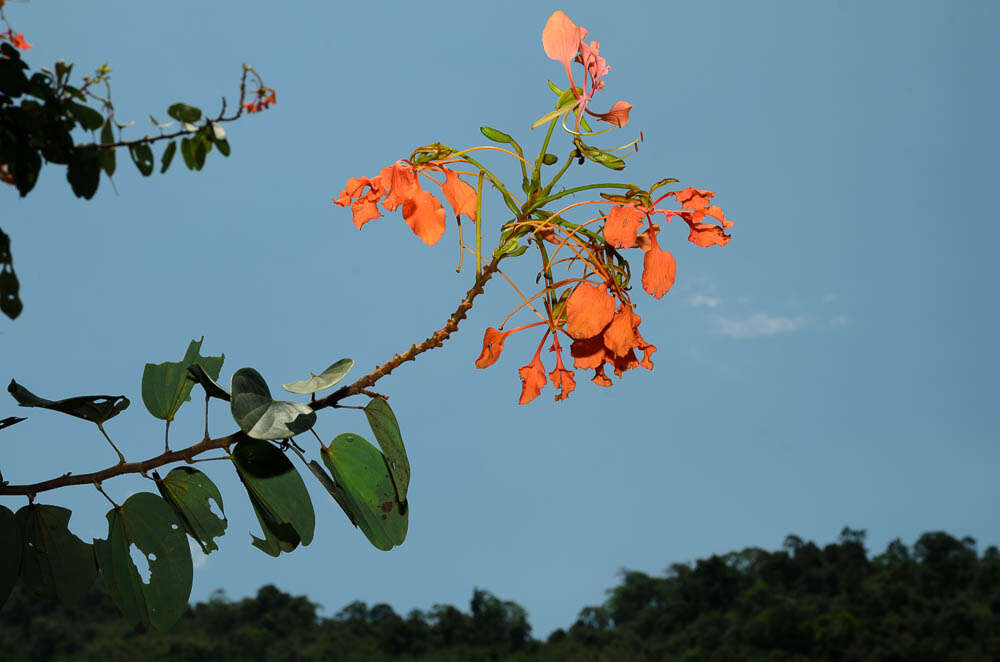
(188, 491)
(11, 550)
(166, 386)
(336, 491)
(148, 522)
(495, 135)
(278, 495)
(95, 408)
(663, 182)
(262, 417)
(386, 429)
(325, 379)
(54, 562)
(361, 470)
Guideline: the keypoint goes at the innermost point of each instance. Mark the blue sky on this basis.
(833, 365)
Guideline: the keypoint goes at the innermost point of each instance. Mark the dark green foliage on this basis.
(938, 601)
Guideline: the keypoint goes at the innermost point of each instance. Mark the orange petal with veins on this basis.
(588, 353)
(532, 380)
(492, 346)
(692, 198)
(619, 337)
(364, 205)
(706, 234)
(459, 194)
(618, 115)
(658, 271)
(625, 363)
(561, 37)
(716, 212)
(588, 310)
(425, 216)
(564, 380)
(600, 378)
(400, 180)
(647, 351)
(622, 225)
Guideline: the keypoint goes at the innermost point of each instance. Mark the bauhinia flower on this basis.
(397, 186)
(563, 41)
(16, 40)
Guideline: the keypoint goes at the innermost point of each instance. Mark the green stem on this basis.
(558, 175)
(479, 224)
(121, 458)
(576, 189)
(507, 197)
(536, 177)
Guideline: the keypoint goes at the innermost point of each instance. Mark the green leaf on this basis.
(168, 156)
(95, 408)
(54, 562)
(495, 135)
(184, 113)
(663, 182)
(278, 495)
(83, 171)
(386, 431)
(166, 386)
(260, 416)
(325, 379)
(142, 156)
(212, 389)
(600, 156)
(558, 112)
(10, 302)
(148, 522)
(188, 491)
(201, 147)
(187, 151)
(549, 159)
(11, 550)
(107, 156)
(336, 491)
(89, 119)
(361, 470)
(223, 146)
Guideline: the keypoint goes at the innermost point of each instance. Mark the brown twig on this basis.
(360, 387)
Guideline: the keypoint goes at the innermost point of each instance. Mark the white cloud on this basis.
(760, 324)
(699, 300)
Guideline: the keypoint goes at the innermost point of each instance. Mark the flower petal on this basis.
(561, 37)
(564, 380)
(400, 180)
(692, 198)
(619, 337)
(600, 378)
(618, 115)
(588, 353)
(588, 310)
(658, 270)
(706, 234)
(622, 225)
(364, 204)
(532, 380)
(493, 341)
(425, 216)
(459, 194)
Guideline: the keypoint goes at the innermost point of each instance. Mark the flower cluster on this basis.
(16, 40)
(264, 98)
(397, 186)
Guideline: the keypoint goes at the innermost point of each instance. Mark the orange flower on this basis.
(17, 40)
(588, 310)
(560, 377)
(659, 269)
(622, 225)
(493, 341)
(399, 187)
(532, 380)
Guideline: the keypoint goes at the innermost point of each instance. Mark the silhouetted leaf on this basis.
(148, 522)
(212, 388)
(361, 470)
(386, 429)
(10, 420)
(223, 146)
(142, 156)
(89, 119)
(107, 156)
(278, 495)
(10, 303)
(260, 416)
(188, 491)
(11, 550)
(325, 379)
(166, 386)
(84, 172)
(168, 156)
(95, 408)
(54, 562)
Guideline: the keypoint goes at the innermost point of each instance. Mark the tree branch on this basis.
(359, 387)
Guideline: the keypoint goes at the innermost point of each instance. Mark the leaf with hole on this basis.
(55, 564)
(95, 408)
(151, 525)
(386, 429)
(325, 379)
(166, 386)
(11, 550)
(142, 157)
(278, 495)
(262, 417)
(189, 491)
(212, 388)
(361, 470)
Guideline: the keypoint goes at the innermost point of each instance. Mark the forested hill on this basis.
(936, 601)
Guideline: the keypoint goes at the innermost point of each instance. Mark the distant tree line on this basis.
(937, 601)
